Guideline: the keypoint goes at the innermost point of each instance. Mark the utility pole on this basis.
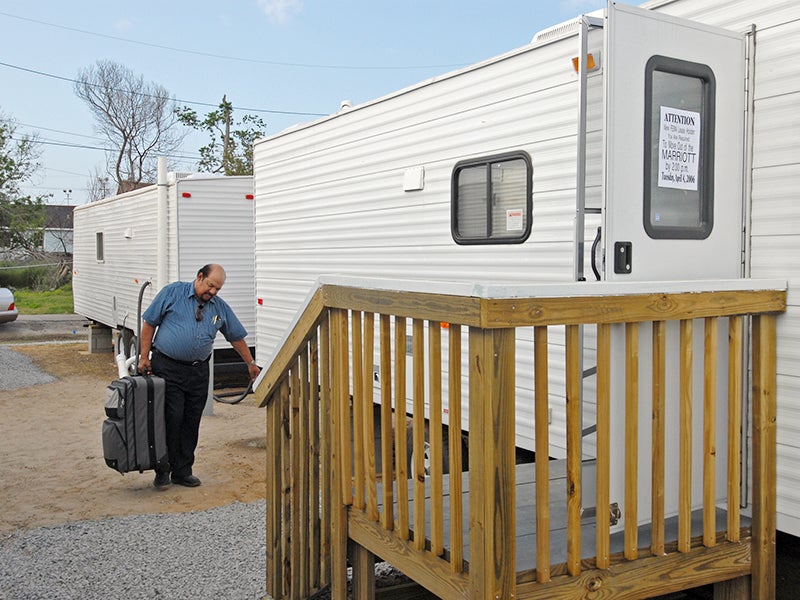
(226, 141)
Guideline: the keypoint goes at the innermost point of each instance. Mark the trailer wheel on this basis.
(427, 450)
(133, 351)
(123, 341)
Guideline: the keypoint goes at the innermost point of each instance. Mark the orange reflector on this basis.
(590, 64)
(186, 195)
(249, 196)
(444, 325)
(136, 280)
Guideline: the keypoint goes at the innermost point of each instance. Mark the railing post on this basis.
(492, 533)
(340, 451)
(274, 496)
(764, 456)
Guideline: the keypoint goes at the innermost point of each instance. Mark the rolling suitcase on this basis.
(134, 434)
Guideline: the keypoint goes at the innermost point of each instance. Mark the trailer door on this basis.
(674, 148)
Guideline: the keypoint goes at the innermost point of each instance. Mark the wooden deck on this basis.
(526, 519)
(328, 492)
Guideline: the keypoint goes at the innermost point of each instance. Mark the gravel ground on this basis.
(18, 371)
(214, 554)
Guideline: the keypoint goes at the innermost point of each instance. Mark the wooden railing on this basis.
(341, 486)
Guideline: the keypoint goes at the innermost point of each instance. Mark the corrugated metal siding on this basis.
(775, 213)
(775, 192)
(107, 291)
(329, 197)
(216, 225)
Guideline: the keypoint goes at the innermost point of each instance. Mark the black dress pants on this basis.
(185, 398)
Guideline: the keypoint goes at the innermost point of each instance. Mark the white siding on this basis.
(214, 225)
(775, 212)
(329, 195)
(107, 291)
(330, 199)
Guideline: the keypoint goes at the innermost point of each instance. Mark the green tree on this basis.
(230, 150)
(21, 216)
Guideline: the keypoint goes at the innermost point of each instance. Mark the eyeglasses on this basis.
(198, 314)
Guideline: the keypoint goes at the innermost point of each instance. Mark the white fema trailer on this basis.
(160, 234)
(633, 145)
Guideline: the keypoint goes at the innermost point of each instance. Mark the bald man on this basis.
(177, 340)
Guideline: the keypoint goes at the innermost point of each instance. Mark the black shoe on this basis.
(188, 480)
(162, 480)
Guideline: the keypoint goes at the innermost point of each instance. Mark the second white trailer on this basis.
(159, 234)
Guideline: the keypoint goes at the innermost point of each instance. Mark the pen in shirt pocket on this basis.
(215, 320)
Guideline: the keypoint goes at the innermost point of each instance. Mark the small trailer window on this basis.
(98, 243)
(491, 200)
(679, 149)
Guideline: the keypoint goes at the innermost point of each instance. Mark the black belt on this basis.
(186, 363)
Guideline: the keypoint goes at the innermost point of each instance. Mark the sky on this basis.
(287, 61)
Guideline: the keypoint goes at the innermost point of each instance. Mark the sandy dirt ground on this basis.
(51, 458)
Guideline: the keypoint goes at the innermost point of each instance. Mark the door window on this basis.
(679, 149)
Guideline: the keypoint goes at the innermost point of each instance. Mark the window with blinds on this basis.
(491, 200)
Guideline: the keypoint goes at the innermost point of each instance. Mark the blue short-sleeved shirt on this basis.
(179, 334)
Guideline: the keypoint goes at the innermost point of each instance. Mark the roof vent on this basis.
(556, 32)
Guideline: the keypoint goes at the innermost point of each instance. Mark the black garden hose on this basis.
(234, 397)
(139, 325)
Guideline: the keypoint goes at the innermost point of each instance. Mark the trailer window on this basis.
(679, 149)
(491, 200)
(98, 245)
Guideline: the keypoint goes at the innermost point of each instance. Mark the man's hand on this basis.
(144, 366)
(254, 370)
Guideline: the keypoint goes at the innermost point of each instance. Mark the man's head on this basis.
(209, 281)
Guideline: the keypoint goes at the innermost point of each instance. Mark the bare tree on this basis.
(58, 228)
(137, 118)
(99, 186)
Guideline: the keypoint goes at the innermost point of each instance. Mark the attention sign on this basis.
(678, 148)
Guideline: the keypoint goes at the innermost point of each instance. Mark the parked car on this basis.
(8, 311)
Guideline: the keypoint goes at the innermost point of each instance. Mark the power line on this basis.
(59, 189)
(63, 171)
(91, 137)
(47, 142)
(232, 58)
(251, 110)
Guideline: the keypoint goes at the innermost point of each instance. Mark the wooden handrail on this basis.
(490, 313)
(329, 489)
(302, 331)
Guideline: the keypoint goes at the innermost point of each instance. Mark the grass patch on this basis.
(47, 302)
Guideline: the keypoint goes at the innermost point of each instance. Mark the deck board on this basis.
(526, 518)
